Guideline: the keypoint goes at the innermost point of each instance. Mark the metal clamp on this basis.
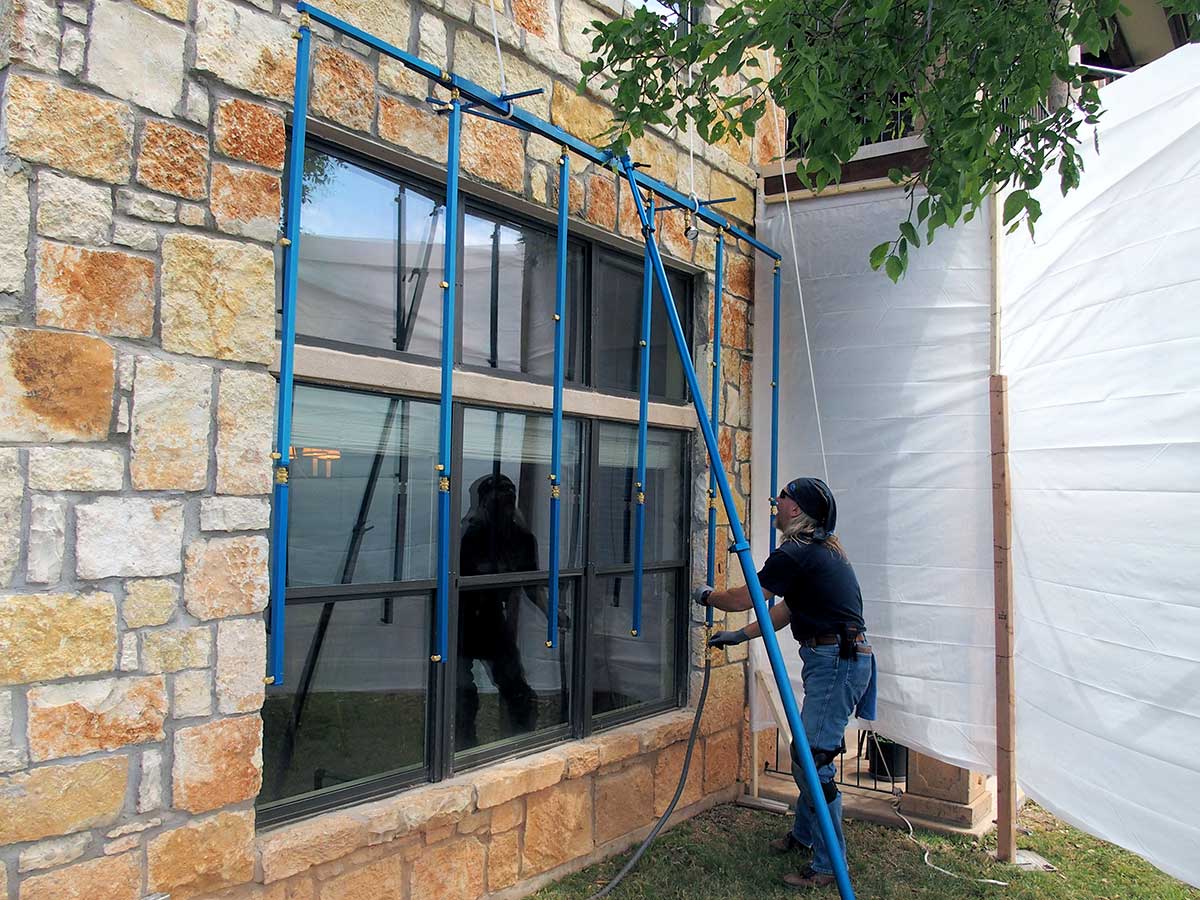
(555, 492)
(437, 658)
(444, 485)
(281, 474)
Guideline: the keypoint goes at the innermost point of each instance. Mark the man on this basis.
(822, 602)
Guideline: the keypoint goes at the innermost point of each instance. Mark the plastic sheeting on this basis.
(1101, 343)
(901, 373)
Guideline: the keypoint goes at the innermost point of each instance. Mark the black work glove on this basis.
(728, 638)
(700, 594)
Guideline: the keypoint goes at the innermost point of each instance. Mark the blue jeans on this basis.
(832, 688)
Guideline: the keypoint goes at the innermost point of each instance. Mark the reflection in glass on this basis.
(508, 301)
(363, 491)
(611, 511)
(352, 703)
(505, 485)
(618, 324)
(370, 259)
(628, 670)
(509, 683)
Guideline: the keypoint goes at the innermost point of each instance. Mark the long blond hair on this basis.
(801, 530)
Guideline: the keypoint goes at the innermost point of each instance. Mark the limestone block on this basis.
(150, 784)
(141, 205)
(54, 800)
(499, 784)
(381, 880)
(624, 801)
(46, 636)
(177, 648)
(226, 577)
(929, 777)
(192, 694)
(173, 160)
(508, 815)
(583, 758)
(88, 716)
(53, 853)
(241, 662)
(245, 202)
(343, 88)
(726, 699)
(535, 16)
(428, 807)
(193, 214)
(578, 115)
(298, 847)
(413, 128)
(431, 40)
(722, 754)
(136, 56)
(401, 79)
(12, 753)
(12, 499)
(602, 201)
(250, 132)
(101, 291)
(69, 130)
(128, 537)
(173, 9)
(107, 878)
(202, 856)
(739, 281)
(452, 870)
(217, 764)
(54, 386)
(246, 49)
(742, 207)
(14, 229)
(76, 11)
(664, 730)
(135, 236)
(33, 34)
(75, 469)
(475, 59)
(218, 298)
(539, 182)
(196, 103)
(387, 19)
(494, 152)
(245, 414)
(575, 18)
(504, 861)
(171, 421)
(667, 769)
(149, 601)
(70, 209)
(558, 826)
(46, 543)
(235, 513)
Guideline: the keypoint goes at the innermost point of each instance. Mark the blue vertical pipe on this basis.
(446, 407)
(639, 509)
(287, 346)
(774, 399)
(560, 310)
(742, 547)
(718, 299)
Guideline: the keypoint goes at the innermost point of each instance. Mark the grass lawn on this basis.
(722, 854)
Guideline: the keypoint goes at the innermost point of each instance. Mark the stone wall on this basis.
(141, 146)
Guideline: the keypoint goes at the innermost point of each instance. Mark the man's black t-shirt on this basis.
(818, 585)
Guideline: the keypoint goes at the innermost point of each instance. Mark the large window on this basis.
(371, 260)
(362, 710)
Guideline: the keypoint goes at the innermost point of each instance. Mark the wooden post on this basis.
(1006, 771)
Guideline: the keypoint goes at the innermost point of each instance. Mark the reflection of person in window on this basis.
(495, 540)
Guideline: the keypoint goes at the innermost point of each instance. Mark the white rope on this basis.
(691, 148)
(787, 203)
(499, 58)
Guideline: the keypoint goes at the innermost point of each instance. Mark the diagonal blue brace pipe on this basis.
(560, 310)
(287, 347)
(742, 547)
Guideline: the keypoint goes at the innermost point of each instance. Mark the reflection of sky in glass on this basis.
(348, 204)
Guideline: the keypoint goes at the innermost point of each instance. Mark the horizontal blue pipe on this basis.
(742, 547)
(519, 117)
(287, 343)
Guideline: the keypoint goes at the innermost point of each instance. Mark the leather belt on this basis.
(825, 640)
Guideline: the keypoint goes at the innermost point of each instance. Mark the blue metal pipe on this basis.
(775, 399)
(446, 406)
(639, 488)
(560, 311)
(516, 116)
(715, 408)
(287, 347)
(742, 547)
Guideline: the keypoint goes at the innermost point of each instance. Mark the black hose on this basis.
(687, 761)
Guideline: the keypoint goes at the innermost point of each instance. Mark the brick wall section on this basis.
(140, 157)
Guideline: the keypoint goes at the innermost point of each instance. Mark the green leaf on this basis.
(1014, 204)
(895, 268)
(879, 254)
(910, 233)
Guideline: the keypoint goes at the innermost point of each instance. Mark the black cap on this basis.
(815, 499)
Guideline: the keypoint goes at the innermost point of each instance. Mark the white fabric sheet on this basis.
(1101, 343)
(901, 374)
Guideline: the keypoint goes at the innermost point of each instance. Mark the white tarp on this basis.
(1101, 343)
(901, 373)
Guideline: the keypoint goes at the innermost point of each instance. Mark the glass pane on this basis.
(629, 670)
(611, 511)
(352, 704)
(509, 290)
(505, 493)
(618, 323)
(370, 259)
(363, 491)
(509, 683)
